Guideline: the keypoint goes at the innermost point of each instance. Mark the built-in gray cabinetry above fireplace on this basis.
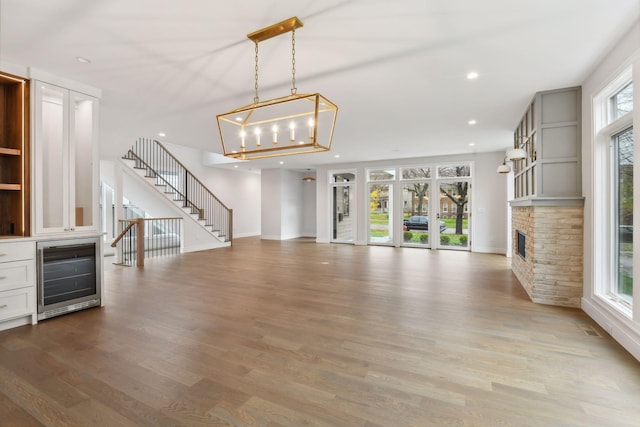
(549, 132)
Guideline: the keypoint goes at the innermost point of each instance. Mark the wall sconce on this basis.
(504, 167)
(511, 155)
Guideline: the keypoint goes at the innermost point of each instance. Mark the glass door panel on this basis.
(415, 214)
(54, 156)
(454, 215)
(82, 153)
(342, 201)
(380, 213)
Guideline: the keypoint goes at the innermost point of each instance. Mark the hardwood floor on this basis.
(295, 333)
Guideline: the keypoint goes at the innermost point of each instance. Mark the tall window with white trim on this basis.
(622, 159)
(614, 193)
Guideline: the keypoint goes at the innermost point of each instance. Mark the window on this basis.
(445, 208)
(343, 177)
(416, 173)
(381, 174)
(621, 103)
(614, 194)
(622, 147)
(454, 171)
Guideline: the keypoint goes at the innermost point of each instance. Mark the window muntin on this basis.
(416, 173)
(621, 103)
(381, 174)
(343, 177)
(454, 171)
(623, 161)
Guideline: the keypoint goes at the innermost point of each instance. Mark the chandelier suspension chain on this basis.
(256, 98)
(294, 89)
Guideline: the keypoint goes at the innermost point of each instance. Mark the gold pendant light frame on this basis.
(292, 124)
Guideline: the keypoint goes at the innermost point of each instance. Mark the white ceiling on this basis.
(397, 70)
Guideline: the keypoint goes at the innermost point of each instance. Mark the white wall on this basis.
(292, 208)
(271, 204)
(625, 53)
(309, 208)
(286, 202)
(488, 198)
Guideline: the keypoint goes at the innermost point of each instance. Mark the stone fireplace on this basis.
(551, 269)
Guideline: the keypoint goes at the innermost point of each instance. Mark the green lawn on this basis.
(379, 218)
(626, 285)
(454, 239)
(378, 233)
(451, 222)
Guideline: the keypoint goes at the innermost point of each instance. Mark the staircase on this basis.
(152, 161)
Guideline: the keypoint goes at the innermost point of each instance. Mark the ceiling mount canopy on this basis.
(292, 124)
(308, 177)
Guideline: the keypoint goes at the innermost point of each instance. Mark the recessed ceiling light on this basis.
(472, 75)
(235, 166)
(238, 119)
(83, 60)
(162, 134)
(282, 163)
(337, 156)
(471, 144)
(472, 122)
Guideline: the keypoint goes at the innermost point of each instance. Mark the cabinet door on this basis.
(83, 174)
(66, 160)
(51, 158)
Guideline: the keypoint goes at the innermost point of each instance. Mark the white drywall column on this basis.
(283, 204)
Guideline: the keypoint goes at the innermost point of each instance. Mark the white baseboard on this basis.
(489, 250)
(21, 321)
(205, 247)
(242, 235)
(270, 237)
(623, 330)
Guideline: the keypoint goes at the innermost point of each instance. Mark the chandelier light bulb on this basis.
(292, 131)
(274, 130)
(311, 123)
(257, 132)
(243, 134)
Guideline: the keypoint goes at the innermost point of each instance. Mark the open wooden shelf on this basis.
(10, 187)
(10, 151)
(14, 155)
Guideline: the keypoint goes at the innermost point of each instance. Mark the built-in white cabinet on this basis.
(66, 162)
(17, 283)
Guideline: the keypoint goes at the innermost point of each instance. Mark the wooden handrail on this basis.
(146, 219)
(121, 235)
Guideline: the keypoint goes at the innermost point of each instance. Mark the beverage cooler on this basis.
(69, 275)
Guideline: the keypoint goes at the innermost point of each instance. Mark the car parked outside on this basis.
(420, 222)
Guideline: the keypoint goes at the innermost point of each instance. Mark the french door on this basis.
(343, 207)
(416, 227)
(381, 217)
(453, 214)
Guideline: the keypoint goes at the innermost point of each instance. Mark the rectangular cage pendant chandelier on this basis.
(292, 124)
